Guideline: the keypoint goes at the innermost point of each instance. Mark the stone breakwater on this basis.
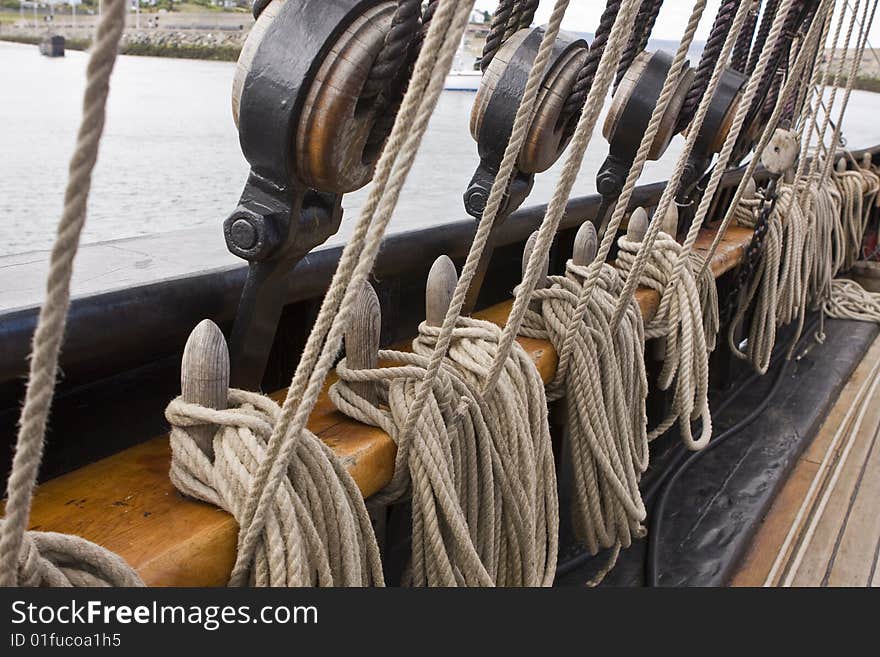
(158, 36)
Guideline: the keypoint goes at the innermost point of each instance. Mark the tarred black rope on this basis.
(711, 52)
(739, 60)
(527, 13)
(578, 96)
(638, 40)
(497, 30)
(390, 99)
(405, 26)
(763, 31)
(427, 16)
(798, 12)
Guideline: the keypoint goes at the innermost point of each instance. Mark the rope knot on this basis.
(317, 531)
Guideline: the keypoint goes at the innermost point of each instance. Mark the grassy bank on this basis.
(866, 83)
(215, 53)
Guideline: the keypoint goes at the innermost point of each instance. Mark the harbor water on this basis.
(170, 157)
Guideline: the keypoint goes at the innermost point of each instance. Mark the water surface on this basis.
(170, 157)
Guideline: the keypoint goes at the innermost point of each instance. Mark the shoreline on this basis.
(217, 53)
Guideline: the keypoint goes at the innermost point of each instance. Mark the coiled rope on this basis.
(318, 532)
(44, 558)
(680, 322)
(605, 407)
(482, 482)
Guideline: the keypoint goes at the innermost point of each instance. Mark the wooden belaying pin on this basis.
(841, 165)
(637, 225)
(586, 244)
(362, 340)
(670, 220)
(750, 190)
(442, 280)
(204, 376)
(545, 268)
(867, 161)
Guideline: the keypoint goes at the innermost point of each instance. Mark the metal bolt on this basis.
(244, 234)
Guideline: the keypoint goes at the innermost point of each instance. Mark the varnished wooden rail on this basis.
(127, 504)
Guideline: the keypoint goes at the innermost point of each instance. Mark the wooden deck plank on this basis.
(854, 558)
(771, 535)
(127, 503)
(824, 542)
(759, 559)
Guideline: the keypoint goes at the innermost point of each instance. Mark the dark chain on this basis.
(711, 52)
(578, 96)
(739, 60)
(755, 252)
(497, 31)
(638, 40)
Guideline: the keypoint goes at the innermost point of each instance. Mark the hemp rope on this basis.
(482, 483)
(358, 255)
(775, 284)
(31, 558)
(605, 406)
(680, 322)
(318, 532)
(807, 52)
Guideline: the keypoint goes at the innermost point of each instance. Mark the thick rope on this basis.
(497, 31)
(393, 57)
(680, 322)
(638, 40)
(482, 482)
(605, 395)
(36, 558)
(318, 532)
(358, 256)
(587, 73)
(721, 29)
(739, 58)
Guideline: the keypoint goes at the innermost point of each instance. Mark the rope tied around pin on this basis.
(605, 391)
(32, 558)
(317, 533)
(680, 323)
(479, 470)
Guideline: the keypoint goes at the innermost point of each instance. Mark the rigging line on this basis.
(860, 48)
(815, 30)
(638, 41)
(669, 191)
(556, 208)
(595, 267)
(775, 36)
(358, 256)
(868, 41)
(522, 120)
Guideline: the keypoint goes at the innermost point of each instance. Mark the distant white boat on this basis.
(464, 75)
(463, 80)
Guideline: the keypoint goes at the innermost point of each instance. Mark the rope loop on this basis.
(679, 321)
(318, 531)
(478, 469)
